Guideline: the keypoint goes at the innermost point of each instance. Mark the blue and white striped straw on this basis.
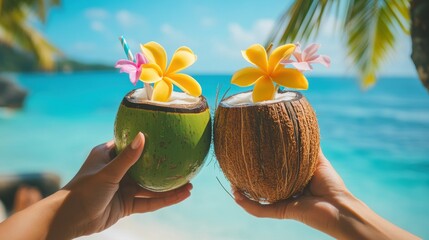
(130, 57)
(126, 49)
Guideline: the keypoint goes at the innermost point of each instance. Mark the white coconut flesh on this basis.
(246, 99)
(177, 99)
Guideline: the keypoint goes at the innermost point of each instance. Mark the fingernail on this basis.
(136, 142)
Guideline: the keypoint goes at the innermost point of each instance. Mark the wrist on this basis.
(61, 226)
(36, 219)
(357, 221)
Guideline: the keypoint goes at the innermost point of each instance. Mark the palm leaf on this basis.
(37, 6)
(301, 20)
(17, 32)
(369, 26)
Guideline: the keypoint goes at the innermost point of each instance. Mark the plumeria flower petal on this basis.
(151, 73)
(310, 51)
(306, 57)
(246, 76)
(266, 71)
(162, 90)
(302, 66)
(282, 52)
(182, 58)
(156, 71)
(132, 68)
(186, 83)
(264, 90)
(297, 52)
(256, 55)
(129, 67)
(155, 53)
(322, 59)
(125, 66)
(141, 59)
(291, 78)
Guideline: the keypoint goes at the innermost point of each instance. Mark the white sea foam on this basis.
(246, 99)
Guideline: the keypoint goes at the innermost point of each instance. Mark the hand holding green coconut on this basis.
(97, 197)
(177, 125)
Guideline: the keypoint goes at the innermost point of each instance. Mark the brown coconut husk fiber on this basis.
(268, 151)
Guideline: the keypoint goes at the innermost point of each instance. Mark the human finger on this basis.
(143, 205)
(101, 153)
(144, 193)
(326, 169)
(282, 210)
(117, 168)
(323, 161)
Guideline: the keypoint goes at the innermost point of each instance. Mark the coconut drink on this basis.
(267, 140)
(176, 125)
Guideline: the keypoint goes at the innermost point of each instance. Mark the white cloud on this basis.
(97, 17)
(227, 49)
(263, 28)
(238, 34)
(97, 26)
(241, 38)
(83, 46)
(167, 29)
(96, 13)
(208, 22)
(171, 32)
(127, 19)
(258, 33)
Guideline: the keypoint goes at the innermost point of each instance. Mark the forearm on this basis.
(33, 222)
(357, 221)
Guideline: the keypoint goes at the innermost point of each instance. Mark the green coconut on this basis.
(178, 137)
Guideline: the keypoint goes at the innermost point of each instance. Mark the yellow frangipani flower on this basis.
(156, 71)
(267, 71)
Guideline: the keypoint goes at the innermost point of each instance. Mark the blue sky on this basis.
(215, 30)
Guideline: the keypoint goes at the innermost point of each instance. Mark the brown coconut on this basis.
(267, 150)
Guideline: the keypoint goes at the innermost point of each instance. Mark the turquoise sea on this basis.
(377, 140)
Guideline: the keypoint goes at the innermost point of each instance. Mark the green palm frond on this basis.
(302, 20)
(18, 33)
(40, 7)
(370, 28)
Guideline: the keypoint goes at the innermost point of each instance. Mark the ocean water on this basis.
(377, 140)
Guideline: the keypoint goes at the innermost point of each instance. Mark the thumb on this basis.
(119, 166)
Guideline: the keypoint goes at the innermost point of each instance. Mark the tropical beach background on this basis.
(376, 138)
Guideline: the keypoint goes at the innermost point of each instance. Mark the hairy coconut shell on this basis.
(268, 151)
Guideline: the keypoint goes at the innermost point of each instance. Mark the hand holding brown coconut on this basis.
(267, 144)
(327, 205)
(266, 141)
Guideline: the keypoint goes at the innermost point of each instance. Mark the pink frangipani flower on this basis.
(308, 56)
(134, 69)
